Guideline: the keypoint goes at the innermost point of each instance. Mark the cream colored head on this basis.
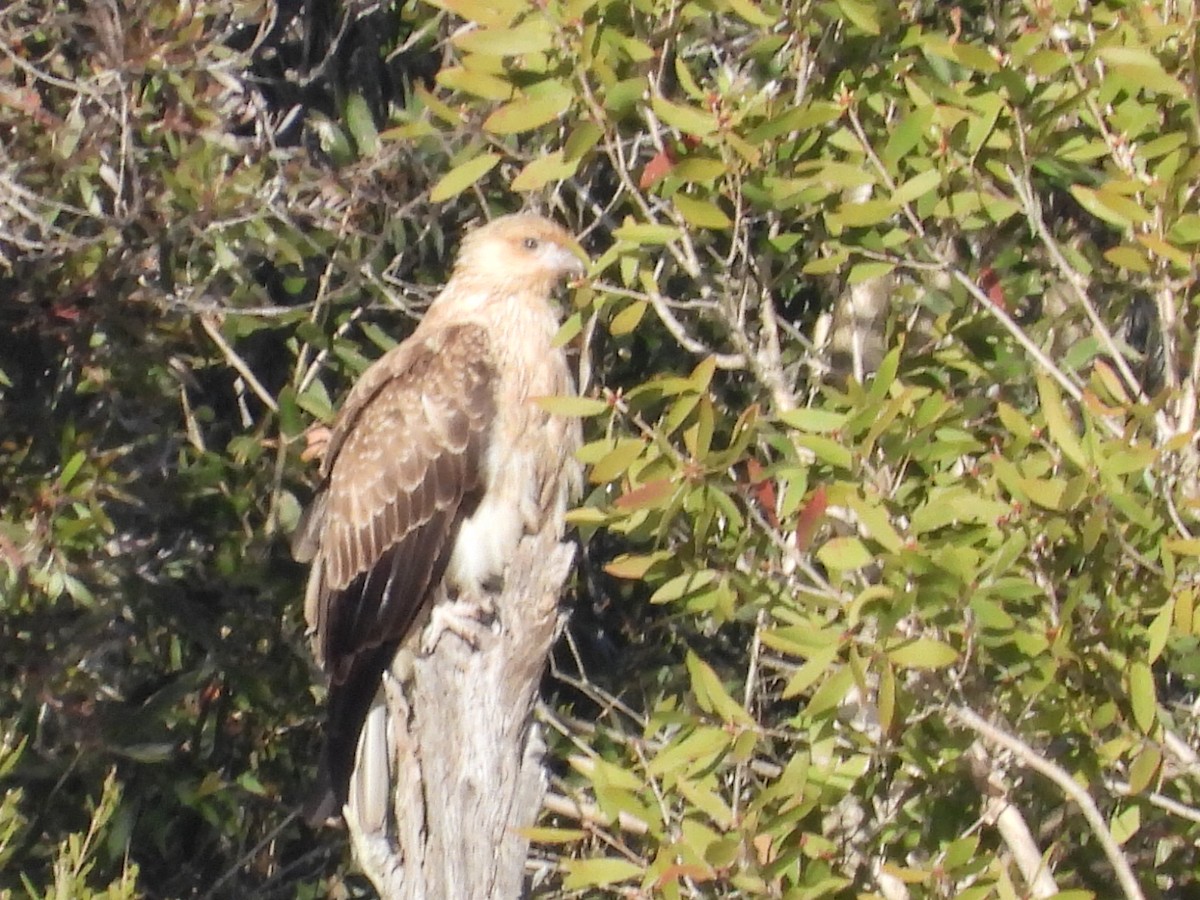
(523, 249)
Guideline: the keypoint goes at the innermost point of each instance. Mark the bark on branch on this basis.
(449, 771)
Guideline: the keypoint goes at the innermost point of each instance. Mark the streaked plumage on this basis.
(439, 461)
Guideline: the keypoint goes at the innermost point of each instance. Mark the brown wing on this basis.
(404, 464)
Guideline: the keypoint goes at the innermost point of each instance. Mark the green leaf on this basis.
(534, 35)
(632, 566)
(1142, 696)
(913, 129)
(527, 113)
(1110, 206)
(917, 186)
(617, 461)
(752, 13)
(1144, 768)
(860, 14)
(627, 319)
(701, 213)
(704, 744)
(874, 518)
(71, 469)
(699, 170)
(583, 138)
(817, 664)
(1143, 69)
(494, 13)
(886, 700)
(1126, 823)
(1127, 257)
(361, 125)
(814, 421)
(646, 234)
(573, 406)
(682, 585)
(923, 653)
(1061, 429)
(844, 554)
(711, 694)
(974, 57)
(553, 835)
(686, 119)
(865, 271)
(480, 84)
(833, 452)
(1159, 247)
(859, 214)
(1186, 229)
(831, 693)
(544, 169)
(463, 176)
(591, 873)
(1159, 631)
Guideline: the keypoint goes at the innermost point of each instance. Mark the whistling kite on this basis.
(438, 463)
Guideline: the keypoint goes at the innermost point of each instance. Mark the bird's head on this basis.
(524, 248)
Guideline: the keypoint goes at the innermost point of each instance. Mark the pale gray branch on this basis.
(1000, 811)
(213, 330)
(1027, 756)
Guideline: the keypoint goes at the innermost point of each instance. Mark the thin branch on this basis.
(973, 289)
(210, 326)
(590, 815)
(1027, 756)
(1154, 798)
(1182, 751)
(1013, 828)
(663, 310)
(250, 854)
(760, 623)
(1073, 279)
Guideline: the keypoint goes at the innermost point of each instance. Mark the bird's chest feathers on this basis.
(522, 449)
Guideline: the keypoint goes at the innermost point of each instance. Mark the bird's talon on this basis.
(469, 619)
(316, 440)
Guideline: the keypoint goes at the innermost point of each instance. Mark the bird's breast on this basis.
(526, 449)
(486, 540)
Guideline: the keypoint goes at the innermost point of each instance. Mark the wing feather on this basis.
(403, 465)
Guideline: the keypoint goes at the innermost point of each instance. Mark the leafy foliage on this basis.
(832, 623)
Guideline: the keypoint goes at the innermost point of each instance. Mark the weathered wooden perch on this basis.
(464, 775)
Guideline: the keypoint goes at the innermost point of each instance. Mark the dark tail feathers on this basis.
(348, 705)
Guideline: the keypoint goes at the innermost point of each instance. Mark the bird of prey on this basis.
(439, 461)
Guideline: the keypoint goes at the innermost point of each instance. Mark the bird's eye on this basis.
(530, 243)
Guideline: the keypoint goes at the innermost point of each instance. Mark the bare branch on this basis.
(1027, 756)
(209, 323)
(1014, 830)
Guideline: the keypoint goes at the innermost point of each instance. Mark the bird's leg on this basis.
(471, 616)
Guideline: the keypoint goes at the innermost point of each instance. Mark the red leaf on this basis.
(673, 874)
(810, 517)
(646, 495)
(990, 282)
(763, 490)
(66, 311)
(658, 168)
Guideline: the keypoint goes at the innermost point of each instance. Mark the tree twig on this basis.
(1027, 756)
(209, 323)
(1014, 830)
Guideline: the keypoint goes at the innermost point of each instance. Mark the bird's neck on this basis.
(523, 323)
